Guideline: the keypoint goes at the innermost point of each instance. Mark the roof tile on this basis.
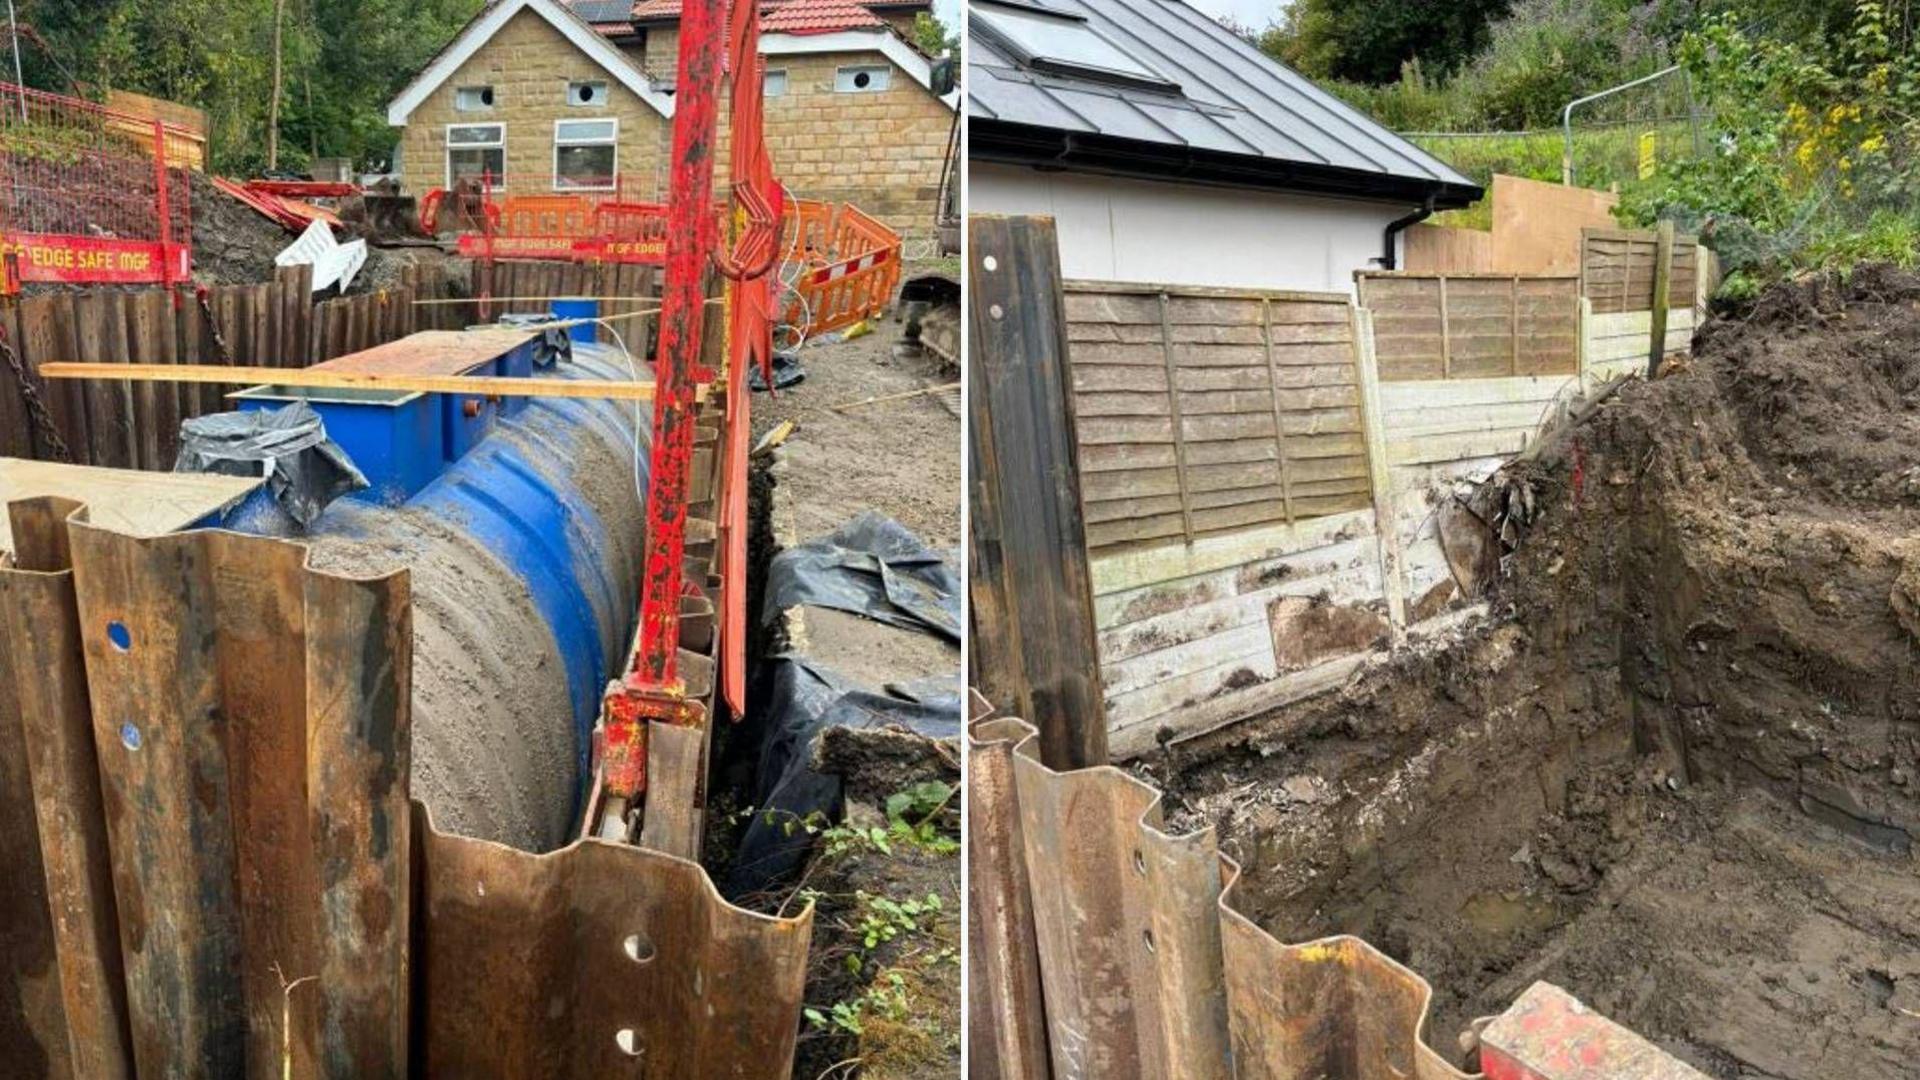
(780, 16)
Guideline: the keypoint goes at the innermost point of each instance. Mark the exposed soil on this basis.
(1678, 772)
(902, 458)
(234, 244)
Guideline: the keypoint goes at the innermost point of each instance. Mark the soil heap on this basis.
(1678, 771)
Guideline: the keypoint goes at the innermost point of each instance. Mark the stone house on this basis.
(557, 98)
(850, 111)
(532, 95)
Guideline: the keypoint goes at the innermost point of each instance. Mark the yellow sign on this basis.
(1649, 154)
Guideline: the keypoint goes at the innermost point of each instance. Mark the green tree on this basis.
(343, 60)
(932, 37)
(1367, 41)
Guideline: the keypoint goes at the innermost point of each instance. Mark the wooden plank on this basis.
(1091, 377)
(323, 378)
(1120, 484)
(1273, 393)
(1105, 535)
(1148, 290)
(1202, 717)
(1373, 426)
(1120, 456)
(1180, 432)
(1087, 405)
(1029, 541)
(1662, 296)
(1114, 573)
(1128, 509)
(1513, 329)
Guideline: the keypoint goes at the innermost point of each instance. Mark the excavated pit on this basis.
(1677, 770)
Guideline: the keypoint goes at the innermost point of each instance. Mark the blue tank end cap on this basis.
(578, 308)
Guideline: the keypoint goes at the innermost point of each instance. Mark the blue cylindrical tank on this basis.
(524, 544)
(578, 307)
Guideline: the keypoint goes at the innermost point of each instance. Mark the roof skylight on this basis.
(1061, 42)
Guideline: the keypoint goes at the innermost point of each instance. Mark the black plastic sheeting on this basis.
(804, 699)
(786, 372)
(871, 566)
(304, 469)
(552, 347)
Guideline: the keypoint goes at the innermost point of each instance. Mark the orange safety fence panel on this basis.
(851, 266)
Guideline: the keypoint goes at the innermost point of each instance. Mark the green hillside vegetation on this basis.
(1787, 143)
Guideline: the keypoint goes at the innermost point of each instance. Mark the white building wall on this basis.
(1178, 234)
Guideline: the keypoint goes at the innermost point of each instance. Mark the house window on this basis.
(476, 149)
(776, 83)
(473, 98)
(586, 156)
(586, 94)
(862, 79)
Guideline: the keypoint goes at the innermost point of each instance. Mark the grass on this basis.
(1605, 157)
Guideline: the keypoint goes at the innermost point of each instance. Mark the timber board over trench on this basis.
(123, 500)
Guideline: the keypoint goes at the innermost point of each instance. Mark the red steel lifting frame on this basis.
(652, 689)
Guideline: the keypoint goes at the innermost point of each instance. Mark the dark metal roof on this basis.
(1239, 117)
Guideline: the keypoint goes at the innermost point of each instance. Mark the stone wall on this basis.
(880, 151)
(529, 64)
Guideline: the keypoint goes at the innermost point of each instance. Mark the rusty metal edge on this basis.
(1253, 961)
(718, 995)
(784, 948)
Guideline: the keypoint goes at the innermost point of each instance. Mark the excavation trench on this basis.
(1677, 771)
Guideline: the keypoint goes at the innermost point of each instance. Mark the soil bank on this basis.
(1678, 771)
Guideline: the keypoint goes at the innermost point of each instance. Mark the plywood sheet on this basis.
(431, 352)
(124, 500)
(1537, 225)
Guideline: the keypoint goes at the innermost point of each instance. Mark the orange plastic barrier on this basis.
(852, 265)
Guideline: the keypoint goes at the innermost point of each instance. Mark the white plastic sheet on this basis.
(332, 261)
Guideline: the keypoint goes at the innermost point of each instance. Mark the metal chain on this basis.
(213, 325)
(36, 408)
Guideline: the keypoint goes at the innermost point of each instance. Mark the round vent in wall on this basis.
(587, 93)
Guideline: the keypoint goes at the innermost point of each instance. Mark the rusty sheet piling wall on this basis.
(215, 832)
(1260, 471)
(1130, 942)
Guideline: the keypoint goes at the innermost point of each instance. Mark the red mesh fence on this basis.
(87, 194)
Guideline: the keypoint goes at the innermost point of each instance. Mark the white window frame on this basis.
(613, 182)
(885, 80)
(785, 84)
(606, 93)
(481, 108)
(446, 138)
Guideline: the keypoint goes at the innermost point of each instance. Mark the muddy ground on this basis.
(901, 457)
(234, 244)
(1677, 771)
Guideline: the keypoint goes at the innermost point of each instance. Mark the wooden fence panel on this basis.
(1472, 326)
(1208, 411)
(1617, 270)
